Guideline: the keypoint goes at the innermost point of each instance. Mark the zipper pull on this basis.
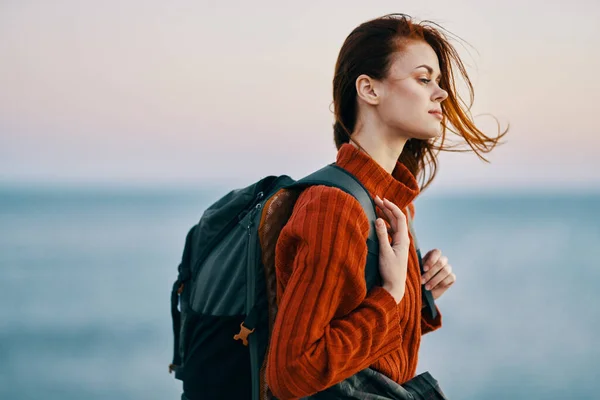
(252, 207)
(257, 207)
(243, 334)
(252, 214)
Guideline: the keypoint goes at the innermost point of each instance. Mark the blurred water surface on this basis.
(85, 276)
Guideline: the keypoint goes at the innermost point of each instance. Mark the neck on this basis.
(382, 148)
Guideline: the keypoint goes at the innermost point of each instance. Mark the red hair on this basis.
(368, 50)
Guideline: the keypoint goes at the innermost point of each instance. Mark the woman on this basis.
(395, 98)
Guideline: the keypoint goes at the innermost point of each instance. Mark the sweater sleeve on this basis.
(327, 328)
(428, 324)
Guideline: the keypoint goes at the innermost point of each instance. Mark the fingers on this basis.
(448, 281)
(443, 286)
(433, 268)
(398, 215)
(387, 212)
(395, 215)
(382, 235)
(444, 273)
(400, 238)
(431, 258)
(398, 223)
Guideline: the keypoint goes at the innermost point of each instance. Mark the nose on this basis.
(440, 95)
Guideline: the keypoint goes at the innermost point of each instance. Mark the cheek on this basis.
(407, 103)
(417, 96)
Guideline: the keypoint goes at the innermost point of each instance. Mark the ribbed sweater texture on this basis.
(328, 327)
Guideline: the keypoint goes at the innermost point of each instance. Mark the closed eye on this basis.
(426, 81)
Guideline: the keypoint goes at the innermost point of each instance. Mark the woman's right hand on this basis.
(393, 258)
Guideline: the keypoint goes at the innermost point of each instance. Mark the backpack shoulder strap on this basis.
(335, 176)
(426, 294)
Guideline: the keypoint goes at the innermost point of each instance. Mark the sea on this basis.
(86, 274)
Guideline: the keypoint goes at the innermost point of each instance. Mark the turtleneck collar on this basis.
(400, 187)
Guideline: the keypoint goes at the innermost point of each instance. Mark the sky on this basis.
(161, 93)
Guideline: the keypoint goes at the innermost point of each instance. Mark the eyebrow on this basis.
(429, 69)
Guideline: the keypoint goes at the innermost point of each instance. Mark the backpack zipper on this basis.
(250, 297)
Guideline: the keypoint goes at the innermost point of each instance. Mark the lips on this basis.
(436, 113)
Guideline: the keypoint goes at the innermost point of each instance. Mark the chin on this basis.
(427, 135)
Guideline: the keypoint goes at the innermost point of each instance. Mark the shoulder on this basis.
(325, 205)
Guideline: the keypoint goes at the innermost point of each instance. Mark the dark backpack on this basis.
(222, 302)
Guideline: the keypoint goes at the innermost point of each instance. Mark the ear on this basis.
(366, 89)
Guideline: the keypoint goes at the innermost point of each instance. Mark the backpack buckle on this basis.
(243, 334)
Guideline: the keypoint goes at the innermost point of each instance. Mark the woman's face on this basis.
(410, 96)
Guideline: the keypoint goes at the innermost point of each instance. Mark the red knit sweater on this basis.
(327, 326)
